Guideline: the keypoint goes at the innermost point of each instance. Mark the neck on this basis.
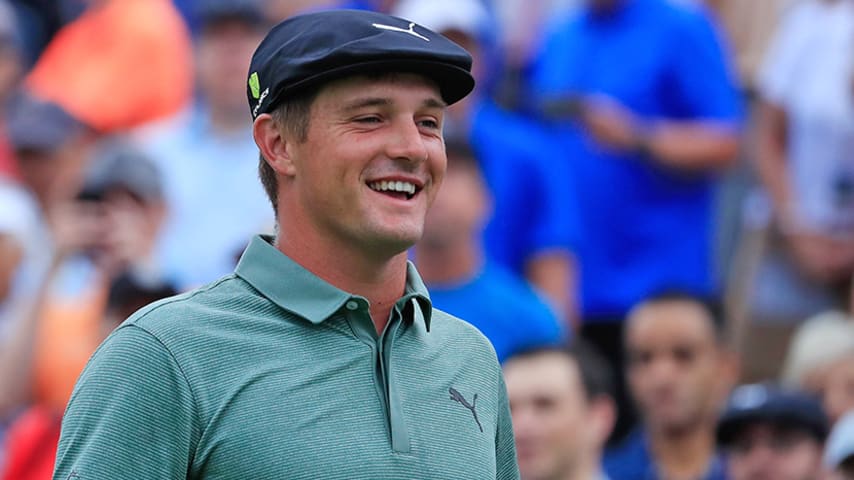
(588, 468)
(380, 278)
(684, 453)
(448, 264)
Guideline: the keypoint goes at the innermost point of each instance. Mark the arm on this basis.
(132, 414)
(554, 274)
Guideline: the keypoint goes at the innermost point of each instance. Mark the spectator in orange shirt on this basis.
(121, 64)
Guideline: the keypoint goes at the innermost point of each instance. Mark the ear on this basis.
(603, 417)
(274, 146)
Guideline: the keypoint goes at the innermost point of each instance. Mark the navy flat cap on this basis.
(308, 50)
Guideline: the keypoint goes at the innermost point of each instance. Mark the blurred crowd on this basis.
(648, 209)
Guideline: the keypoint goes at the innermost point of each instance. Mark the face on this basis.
(223, 53)
(553, 422)
(675, 367)
(766, 452)
(371, 164)
(459, 211)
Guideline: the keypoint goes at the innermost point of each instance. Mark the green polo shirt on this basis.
(272, 373)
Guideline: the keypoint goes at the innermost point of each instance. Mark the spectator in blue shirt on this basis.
(533, 227)
(207, 155)
(461, 278)
(648, 115)
(679, 374)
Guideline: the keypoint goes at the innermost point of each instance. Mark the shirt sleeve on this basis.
(505, 447)
(700, 72)
(131, 415)
(779, 67)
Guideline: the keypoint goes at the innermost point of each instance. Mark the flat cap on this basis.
(308, 50)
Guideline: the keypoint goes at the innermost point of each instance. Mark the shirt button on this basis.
(351, 305)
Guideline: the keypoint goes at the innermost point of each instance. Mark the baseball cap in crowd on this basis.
(840, 443)
(118, 164)
(309, 50)
(762, 403)
(213, 11)
(39, 125)
(469, 17)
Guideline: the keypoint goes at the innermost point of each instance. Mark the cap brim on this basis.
(454, 82)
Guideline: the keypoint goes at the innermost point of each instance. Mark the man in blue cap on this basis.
(320, 357)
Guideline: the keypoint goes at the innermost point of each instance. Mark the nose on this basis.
(407, 142)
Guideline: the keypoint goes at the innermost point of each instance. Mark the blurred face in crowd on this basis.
(763, 451)
(460, 209)
(223, 53)
(54, 175)
(676, 369)
(555, 424)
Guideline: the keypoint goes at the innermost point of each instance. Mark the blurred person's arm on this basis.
(684, 144)
(554, 274)
(11, 253)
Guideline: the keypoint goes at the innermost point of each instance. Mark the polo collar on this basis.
(295, 289)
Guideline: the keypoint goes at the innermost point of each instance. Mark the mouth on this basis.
(402, 190)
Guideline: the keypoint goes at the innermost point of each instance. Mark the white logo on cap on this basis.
(410, 31)
(260, 101)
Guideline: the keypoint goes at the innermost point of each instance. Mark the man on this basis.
(679, 373)
(207, 153)
(767, 432)
(563, 410)
(462, 278)
(648, 116)
(320, 357)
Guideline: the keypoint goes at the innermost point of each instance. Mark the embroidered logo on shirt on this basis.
(410, 31)
(72, 475)
(458, 397)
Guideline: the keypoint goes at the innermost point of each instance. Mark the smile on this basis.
(395, 187)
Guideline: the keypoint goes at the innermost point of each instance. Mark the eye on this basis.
(368, 119)
(430, 123)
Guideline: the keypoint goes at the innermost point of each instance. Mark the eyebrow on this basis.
(383, 102)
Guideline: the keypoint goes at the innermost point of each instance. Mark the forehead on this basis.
(671, 321)
(391, 86)
(543, 373)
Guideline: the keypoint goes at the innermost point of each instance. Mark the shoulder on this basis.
(630, 459)
(459, 336)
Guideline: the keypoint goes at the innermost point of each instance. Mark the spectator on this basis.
(34, 436)
(805, 136)
(533, 226)
(648, 116)
(51, 148)
(839, 451)
(120, 64)
(771, 433)
(563, 410)
(820, 361)
(207, 155)
(679, 374)
(107, 228)
(462, 279)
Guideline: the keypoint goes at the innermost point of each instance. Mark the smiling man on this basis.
(321, 356)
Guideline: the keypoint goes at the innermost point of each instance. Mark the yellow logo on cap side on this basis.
(255, 85)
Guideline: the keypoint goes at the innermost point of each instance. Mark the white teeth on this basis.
(385, 186)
